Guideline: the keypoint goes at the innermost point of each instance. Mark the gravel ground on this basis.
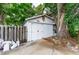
(41, 47)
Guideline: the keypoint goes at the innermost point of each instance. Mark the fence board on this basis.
(5, 33)
(9, 33)
(25, 35)
(1, 32)
(14, 33)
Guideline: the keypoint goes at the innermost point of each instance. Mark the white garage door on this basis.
(38, 31)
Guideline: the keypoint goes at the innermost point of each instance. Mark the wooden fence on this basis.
(9, 33)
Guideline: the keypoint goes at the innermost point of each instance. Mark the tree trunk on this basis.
(61, 26)
(1, 19)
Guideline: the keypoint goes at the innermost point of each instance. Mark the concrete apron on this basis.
(41, 47)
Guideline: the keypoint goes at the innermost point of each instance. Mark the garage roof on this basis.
(38, 16)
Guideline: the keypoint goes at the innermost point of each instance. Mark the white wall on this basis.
(37, 30)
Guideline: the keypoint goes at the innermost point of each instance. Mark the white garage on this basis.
(41, 26)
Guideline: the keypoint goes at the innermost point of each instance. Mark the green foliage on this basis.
(1, 8)
(72, 18)
(15, 14)
(52, 8)
(39, 9)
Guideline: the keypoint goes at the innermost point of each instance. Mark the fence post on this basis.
(1, 32)
(9, 33)
(25, 31)
(20, 31)
(15, 33)
(5, 33)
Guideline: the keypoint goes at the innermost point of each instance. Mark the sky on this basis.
(36, 4)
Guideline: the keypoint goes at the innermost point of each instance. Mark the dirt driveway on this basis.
(41, 47)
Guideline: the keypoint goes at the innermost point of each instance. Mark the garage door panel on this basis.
(36, 31)
(35, 28)
(39, 31)
(47, 30)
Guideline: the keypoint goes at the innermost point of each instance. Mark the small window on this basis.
(54, 28)
(54, 25)
(55, 31)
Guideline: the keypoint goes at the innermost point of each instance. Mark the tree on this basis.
(16, 13)
(61, 25)
(1, 14)
(39, 9)
(66, 16)
(52, 7)
(58, 12)
(72, 18)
